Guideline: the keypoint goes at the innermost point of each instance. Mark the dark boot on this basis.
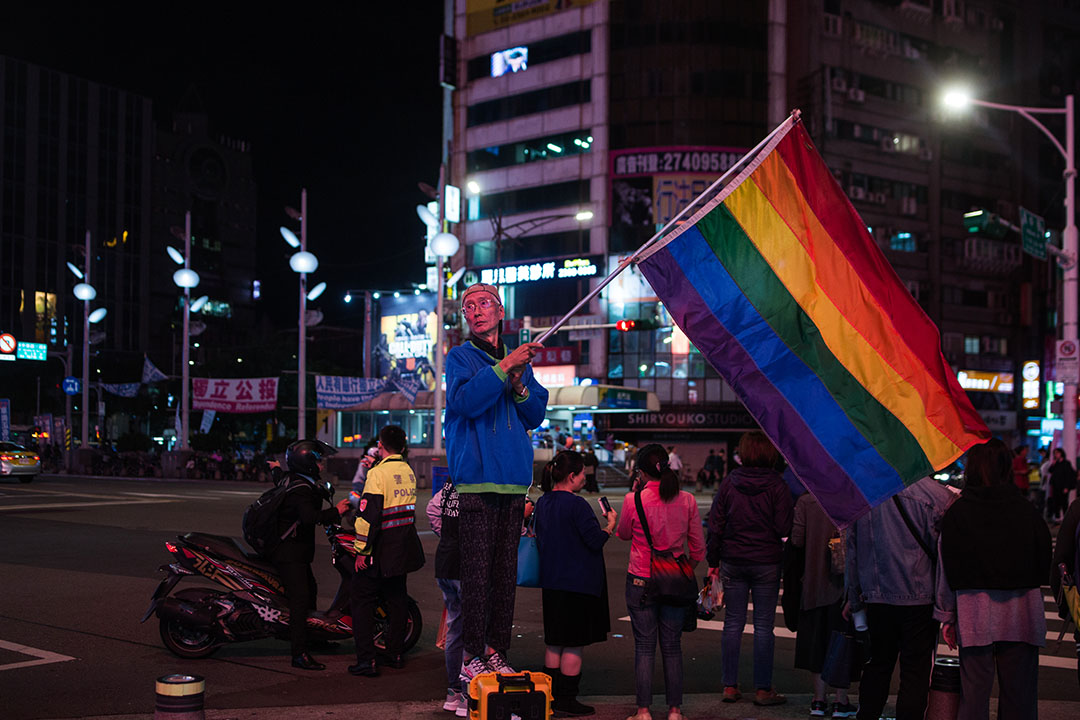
(565, 703)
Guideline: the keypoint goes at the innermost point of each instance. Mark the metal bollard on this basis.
(179, 697)
(944, 700)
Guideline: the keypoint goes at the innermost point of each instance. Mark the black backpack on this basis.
(260, 522)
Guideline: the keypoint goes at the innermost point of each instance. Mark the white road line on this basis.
(44, 657)
(56, 506)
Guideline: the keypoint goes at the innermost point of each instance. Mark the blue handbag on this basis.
(528, 559)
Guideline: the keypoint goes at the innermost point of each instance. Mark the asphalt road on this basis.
(79, 559)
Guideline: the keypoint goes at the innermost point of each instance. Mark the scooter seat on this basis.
(227, 547)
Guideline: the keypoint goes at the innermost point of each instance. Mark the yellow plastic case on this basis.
(524, 695)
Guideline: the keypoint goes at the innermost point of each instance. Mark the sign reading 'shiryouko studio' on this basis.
(234, 395)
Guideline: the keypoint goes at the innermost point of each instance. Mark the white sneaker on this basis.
(496, 662)
(463, 709)
(454, 700)
(469, 670)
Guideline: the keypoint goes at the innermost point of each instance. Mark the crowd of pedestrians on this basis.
(926, 560)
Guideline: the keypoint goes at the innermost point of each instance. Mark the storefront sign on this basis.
(539, 271)
(719, 420)
(619, 398)
(406, 340)
(234, 395)
(999, 419)
(1030, 388)
(555, 375)
(985, 381)
(556, 356)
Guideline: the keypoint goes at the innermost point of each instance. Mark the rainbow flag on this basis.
(778, 283)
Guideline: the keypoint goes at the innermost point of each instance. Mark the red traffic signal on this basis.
(624, 325)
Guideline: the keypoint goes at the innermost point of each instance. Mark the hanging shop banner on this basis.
(234, 395)
(128, 390)
(335, 392)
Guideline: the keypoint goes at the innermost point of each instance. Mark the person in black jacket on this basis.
(299, 512)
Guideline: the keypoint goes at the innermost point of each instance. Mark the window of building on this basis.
(971, 344)
(903, 242)
(528, 247)
(573, 192)
(525, 151)
(551, 98)
(556, 48)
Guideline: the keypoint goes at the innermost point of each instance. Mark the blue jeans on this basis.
(648, 619)
(451, 593)
(739, 582)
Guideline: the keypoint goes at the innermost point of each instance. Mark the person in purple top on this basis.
(750, 515)
(994, 556)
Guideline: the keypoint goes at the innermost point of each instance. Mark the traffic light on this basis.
(628, 325)
(987, 223)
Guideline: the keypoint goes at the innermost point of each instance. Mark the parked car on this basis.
(17, 461)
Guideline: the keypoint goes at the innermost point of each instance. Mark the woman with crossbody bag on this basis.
(674, 526)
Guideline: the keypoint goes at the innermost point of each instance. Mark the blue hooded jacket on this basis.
(487, 442)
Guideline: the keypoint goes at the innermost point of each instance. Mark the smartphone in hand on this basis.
(604, 504)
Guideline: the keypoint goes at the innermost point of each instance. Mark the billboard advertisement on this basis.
(484, 15)
(405, 337)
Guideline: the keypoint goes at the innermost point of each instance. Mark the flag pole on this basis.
(625, 262)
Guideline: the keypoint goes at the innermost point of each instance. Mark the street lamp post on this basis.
(187, 279)
(959, 99)
(302, 263)
(85, 291)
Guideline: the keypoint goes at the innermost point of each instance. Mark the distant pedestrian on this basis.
(821, 604)
(994, 557)
(442, 512)
(572, 575)
(1066, 553)
(891, 552)
(1020, 468)
(592, 465)
(675, 526)
(1062, 480)
(750, 515)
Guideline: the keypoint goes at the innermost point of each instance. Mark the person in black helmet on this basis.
(298, 514)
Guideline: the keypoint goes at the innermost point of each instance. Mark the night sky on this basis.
(340, 98)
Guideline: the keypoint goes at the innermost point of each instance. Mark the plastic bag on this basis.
(711, 595)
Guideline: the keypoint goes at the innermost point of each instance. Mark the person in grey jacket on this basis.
(891, 576)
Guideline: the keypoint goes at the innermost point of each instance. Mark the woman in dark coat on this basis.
(1062, 480)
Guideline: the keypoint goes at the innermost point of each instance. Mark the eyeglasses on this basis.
(484, 304)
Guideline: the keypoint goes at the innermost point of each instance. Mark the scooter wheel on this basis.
(414, 625)
(185, 642)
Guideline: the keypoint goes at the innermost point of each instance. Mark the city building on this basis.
(575, 132)
(76, 158)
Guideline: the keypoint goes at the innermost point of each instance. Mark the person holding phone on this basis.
(573, 577)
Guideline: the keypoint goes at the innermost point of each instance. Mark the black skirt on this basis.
(573, 619)
(815, 630)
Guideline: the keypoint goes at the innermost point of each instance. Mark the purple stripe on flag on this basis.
(837, 492)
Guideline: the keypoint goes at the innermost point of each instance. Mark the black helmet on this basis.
(303, 456)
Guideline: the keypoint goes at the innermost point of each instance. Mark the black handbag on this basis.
(843, 660)
(671, 578)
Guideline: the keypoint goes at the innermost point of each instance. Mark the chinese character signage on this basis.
(540, 271)
(556, 356)
(484, 15)
(335, 392)
(234, 395)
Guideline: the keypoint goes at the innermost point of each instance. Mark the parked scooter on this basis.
(195, 622)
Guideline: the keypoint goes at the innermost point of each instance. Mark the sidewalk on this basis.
(706, 706)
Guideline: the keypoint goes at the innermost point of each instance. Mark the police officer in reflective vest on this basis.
(388, 548)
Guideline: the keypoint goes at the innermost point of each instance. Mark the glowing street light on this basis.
(959, 98)
(86, 292)
(302, 263)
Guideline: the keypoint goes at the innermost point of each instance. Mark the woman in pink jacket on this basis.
(675, 525)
